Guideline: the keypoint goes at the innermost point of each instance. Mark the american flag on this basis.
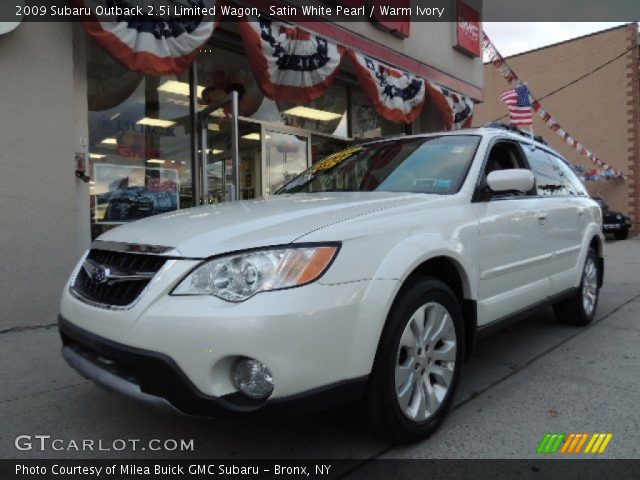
(519, 102)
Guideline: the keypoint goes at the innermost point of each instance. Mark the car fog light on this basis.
(253, 378)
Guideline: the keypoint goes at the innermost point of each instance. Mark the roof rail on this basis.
(514, 129)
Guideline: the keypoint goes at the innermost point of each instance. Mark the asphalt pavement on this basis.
(534, 377)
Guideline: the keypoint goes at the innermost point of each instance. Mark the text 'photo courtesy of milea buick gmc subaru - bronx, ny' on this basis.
(367, 278)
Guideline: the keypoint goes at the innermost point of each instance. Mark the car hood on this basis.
(210, 230)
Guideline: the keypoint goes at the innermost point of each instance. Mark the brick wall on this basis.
(601, 111)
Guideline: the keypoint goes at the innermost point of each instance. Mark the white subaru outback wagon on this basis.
(367, 278)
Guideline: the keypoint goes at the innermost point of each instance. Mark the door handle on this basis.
(542, 217)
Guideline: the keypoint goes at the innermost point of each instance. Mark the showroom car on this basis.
(616, 223)
(127, 203)
(366, 279)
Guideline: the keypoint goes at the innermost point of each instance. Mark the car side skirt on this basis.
(520, 315)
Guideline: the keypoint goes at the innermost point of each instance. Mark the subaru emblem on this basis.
(100, 274)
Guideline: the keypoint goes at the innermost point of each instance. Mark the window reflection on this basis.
(365, 120)
(286, 158)
(139, 142)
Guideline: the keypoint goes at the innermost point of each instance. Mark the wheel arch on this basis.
(598, 245)
(452, 273)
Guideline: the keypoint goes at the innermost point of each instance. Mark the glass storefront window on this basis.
(221, 70)
(139, 142)
(286, 155)
(366, 122)
(327, 114)
(219, 161)
(322, 147)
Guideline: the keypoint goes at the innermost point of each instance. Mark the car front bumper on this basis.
(318, 341)
(615, 227)
(154, 379)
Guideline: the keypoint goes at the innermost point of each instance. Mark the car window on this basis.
(572, 183)
(548, 178)
(504, 155)
(435, 165)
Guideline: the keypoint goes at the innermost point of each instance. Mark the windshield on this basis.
(421, 165)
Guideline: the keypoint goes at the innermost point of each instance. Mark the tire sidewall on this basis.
(423, 292)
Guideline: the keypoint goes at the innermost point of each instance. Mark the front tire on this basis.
(581, 308)
(418, 363)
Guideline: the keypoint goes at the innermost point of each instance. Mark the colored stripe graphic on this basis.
(581, 442)
(567, 443)
(551, 442)
(573, 443)
(598, 443)
(554, 448)
(543, 443)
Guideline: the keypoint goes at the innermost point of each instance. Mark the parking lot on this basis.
(535, 377)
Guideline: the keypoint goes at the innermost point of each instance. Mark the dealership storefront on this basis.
(145, 139)
(91, 143)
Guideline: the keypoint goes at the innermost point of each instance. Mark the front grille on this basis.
(117, 293)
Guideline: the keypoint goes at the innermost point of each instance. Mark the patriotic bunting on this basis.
(152, 47)
(592, 175)
(397, 96)
(289, 63)
(512, 78)
(456, 110)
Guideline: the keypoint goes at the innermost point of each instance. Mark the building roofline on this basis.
(581, 37)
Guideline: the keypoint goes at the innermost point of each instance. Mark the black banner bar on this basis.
(538, 469)
(329, 10)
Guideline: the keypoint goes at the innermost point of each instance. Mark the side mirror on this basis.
(511, 180)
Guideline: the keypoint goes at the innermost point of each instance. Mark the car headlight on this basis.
(237, 277)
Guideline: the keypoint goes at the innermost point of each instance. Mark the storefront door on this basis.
(229, 154)
(286, 153)
(219, 182)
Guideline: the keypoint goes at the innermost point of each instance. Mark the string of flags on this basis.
(592, 174)
(520, 99)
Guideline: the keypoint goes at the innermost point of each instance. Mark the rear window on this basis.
(554, 175)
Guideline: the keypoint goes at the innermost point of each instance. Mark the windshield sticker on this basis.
(425, 182)
(332, 160)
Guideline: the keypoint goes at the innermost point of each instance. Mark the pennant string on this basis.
(511, 77)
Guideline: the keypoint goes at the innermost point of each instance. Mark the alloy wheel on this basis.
(590, 286)
(425, 361)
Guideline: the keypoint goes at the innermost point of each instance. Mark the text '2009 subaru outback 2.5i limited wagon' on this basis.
(366, 278)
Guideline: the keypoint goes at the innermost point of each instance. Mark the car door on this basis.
(562, 211)
(511, 243)
(578, 218)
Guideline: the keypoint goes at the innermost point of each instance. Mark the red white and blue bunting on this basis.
(592, 174)
(396, 95)
(152, 47)
(455, 109)
(289, 63)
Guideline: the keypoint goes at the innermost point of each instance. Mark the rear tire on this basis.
(418, 363)
(581, 308)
